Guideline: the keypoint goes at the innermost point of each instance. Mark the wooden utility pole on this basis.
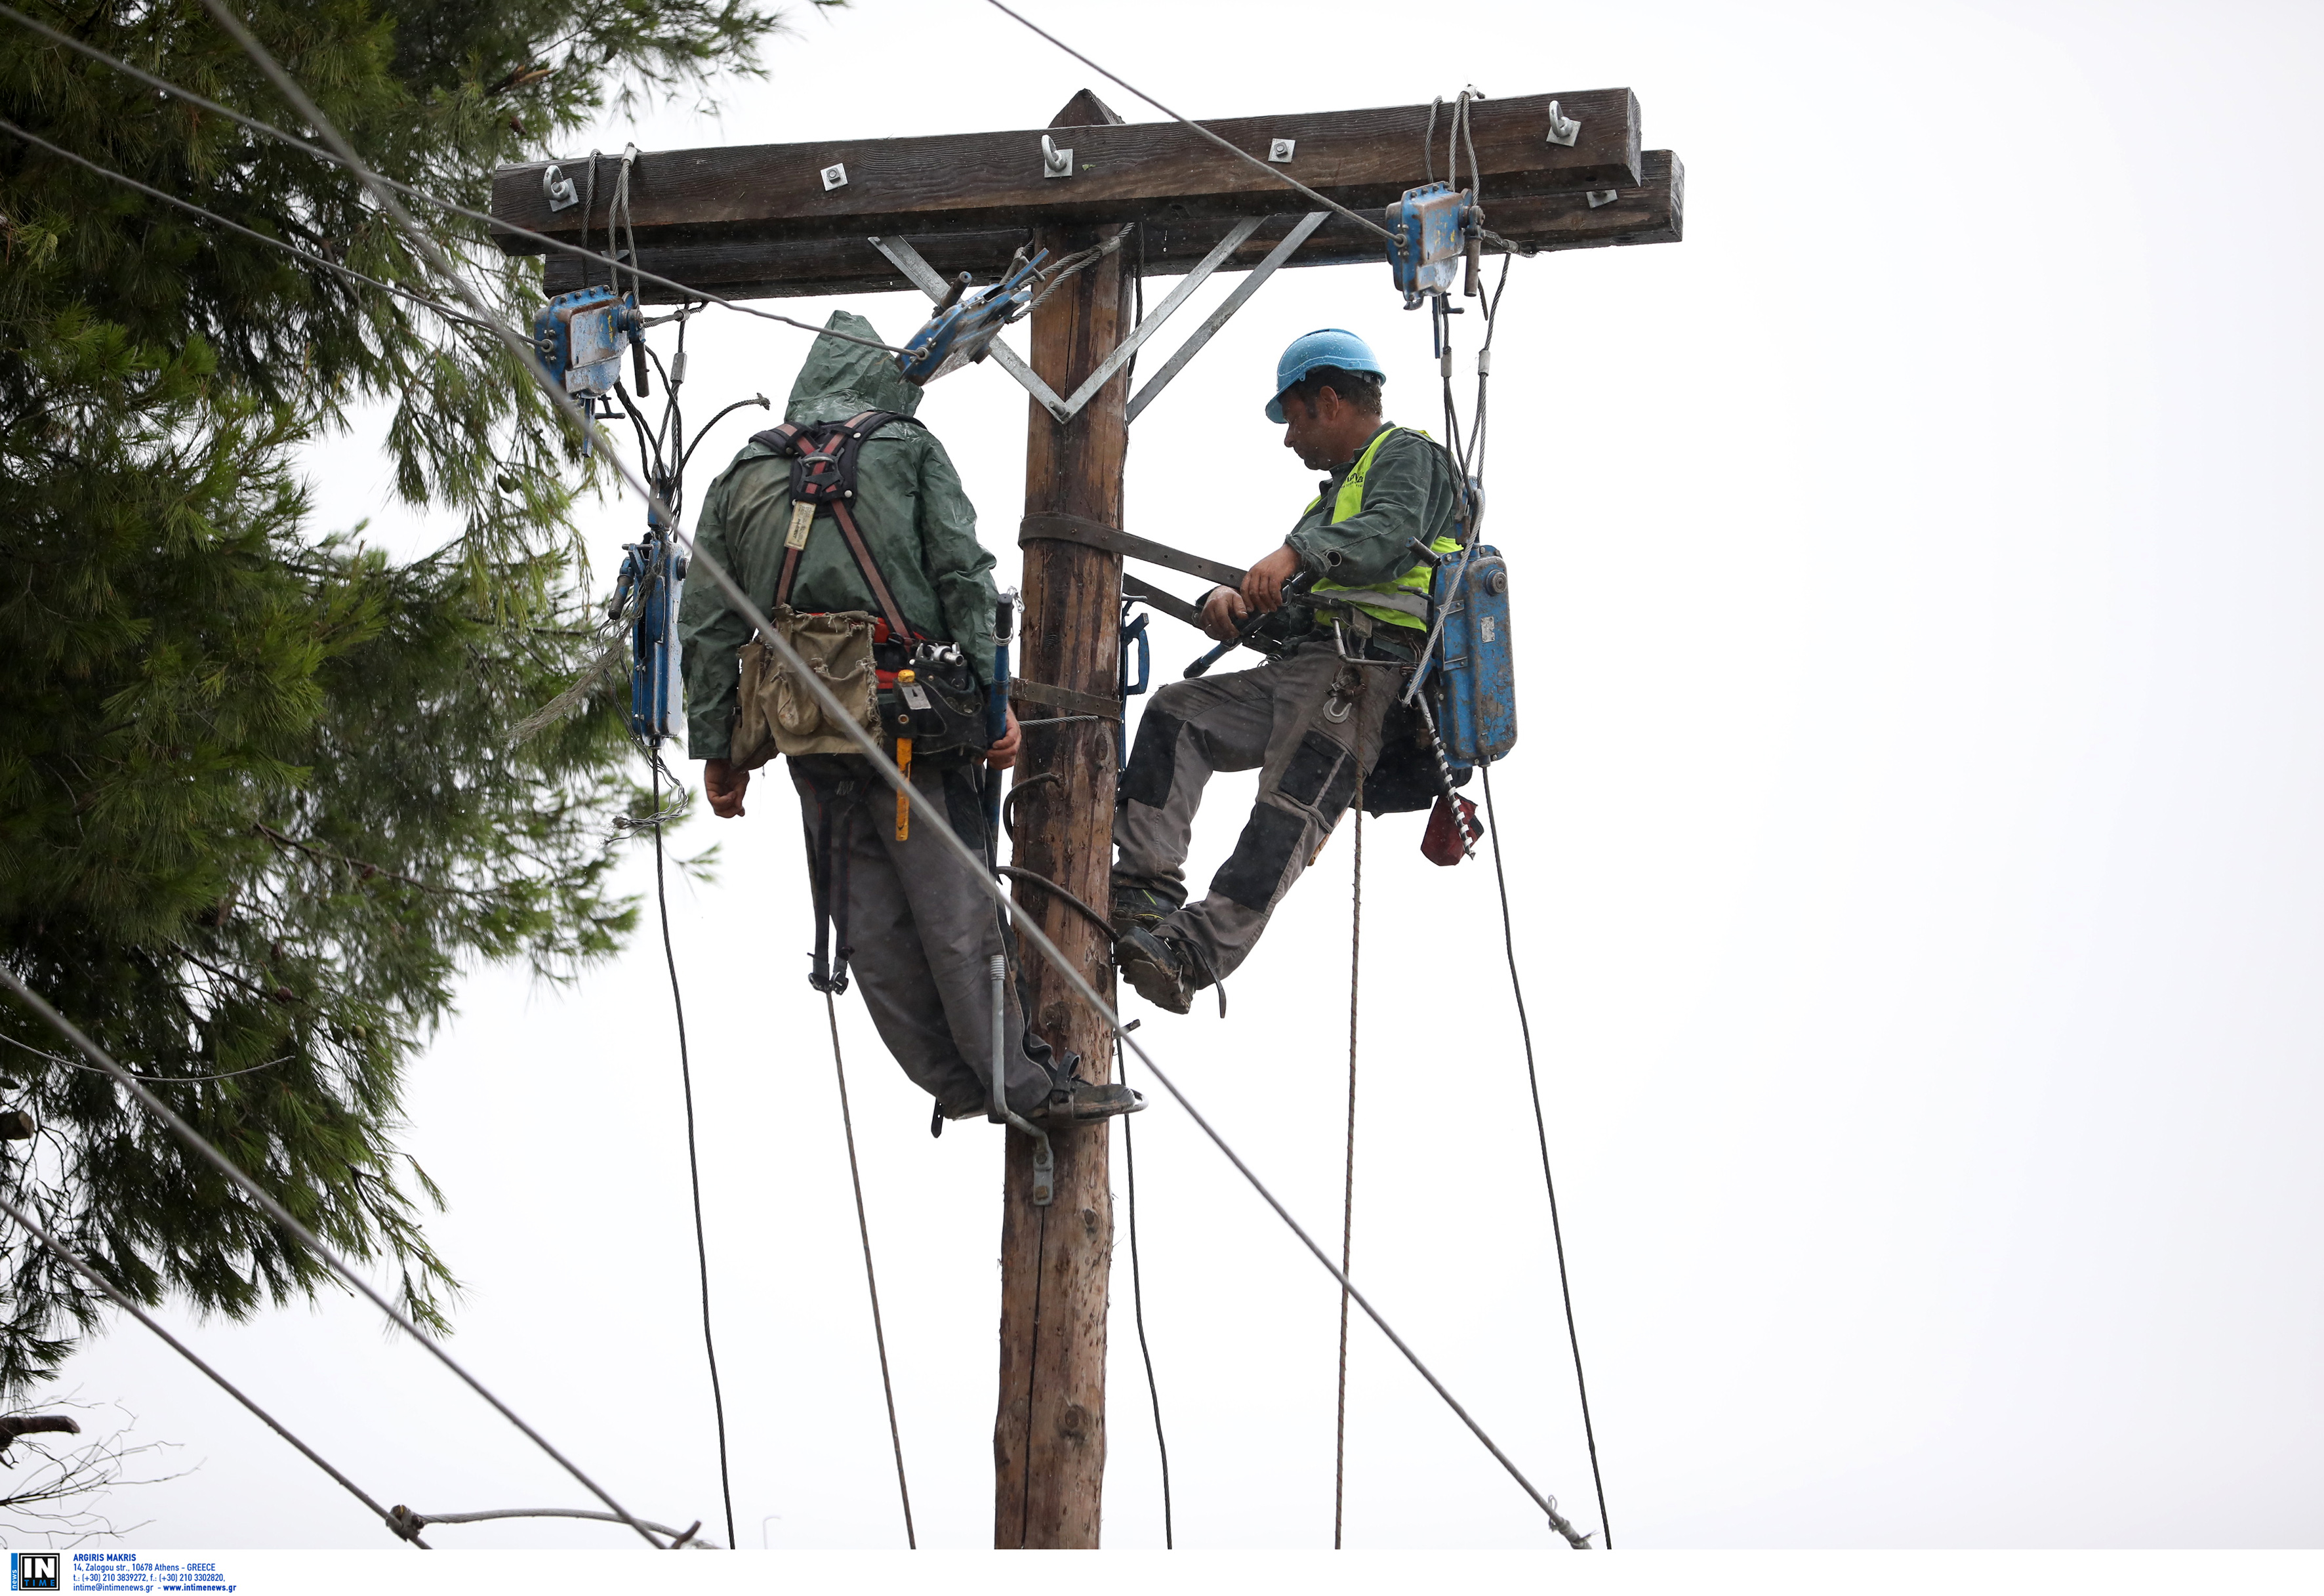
(1048, 1441)
(846, 215)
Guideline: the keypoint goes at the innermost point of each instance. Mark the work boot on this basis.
(1136, 904)
(1082, 1102)
(1158, 966)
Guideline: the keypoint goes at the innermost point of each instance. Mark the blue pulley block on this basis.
(580, 337)
(1430, 219)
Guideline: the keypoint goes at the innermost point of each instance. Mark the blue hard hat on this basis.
(1329, 345)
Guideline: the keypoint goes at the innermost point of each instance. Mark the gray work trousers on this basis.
(1299, 718)
(917, 928)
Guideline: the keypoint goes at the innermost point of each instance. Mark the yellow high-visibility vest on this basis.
(1403, 600)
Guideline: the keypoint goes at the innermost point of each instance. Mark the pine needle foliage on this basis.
(261, 801)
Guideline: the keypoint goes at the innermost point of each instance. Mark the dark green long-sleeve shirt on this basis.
(910, 505)
(1407, 494)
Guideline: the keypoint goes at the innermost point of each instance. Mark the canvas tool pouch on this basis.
(776, 714)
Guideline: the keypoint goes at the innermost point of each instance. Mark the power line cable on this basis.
(692, 1162)
(305, 255)
(1540, 1129)
(870, 1280)
(370, 176)
(1276, 173)
(884, 767)
(1137, 1306)
(123, 1300)
(283, 1217)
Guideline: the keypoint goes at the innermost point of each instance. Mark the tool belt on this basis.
(891, 681)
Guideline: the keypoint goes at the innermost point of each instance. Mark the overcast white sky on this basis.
(1913, 841)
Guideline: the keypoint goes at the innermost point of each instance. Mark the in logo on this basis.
(35, 1571)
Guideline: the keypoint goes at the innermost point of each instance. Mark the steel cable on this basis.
(870, 1280)
(123, 1300)
(283, 1217)
(693, 1161)
(1248, 159)
(346, 159)
(305, 255)
(1540, 1129)
(882, 766)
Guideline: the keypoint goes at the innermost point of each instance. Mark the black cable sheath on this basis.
(1549, 1181)
(1138, 1305)
(693, 1163)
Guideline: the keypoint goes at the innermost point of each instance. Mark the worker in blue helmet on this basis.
(1311, 717)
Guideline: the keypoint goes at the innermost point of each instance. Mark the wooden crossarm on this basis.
(1651, 211)
(1156, 171)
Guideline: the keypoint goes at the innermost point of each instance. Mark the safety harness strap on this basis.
(822, 473)
(828, 872)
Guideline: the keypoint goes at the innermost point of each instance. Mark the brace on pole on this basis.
(1045, 1160)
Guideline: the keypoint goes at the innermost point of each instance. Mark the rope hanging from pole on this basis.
(1348, 1198)
(693, 1161)
(871, 1278)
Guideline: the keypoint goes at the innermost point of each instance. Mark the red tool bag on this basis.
(1444, 842)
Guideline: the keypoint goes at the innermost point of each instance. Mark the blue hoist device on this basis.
(652, 571)
(1439, 229)
(960, 331)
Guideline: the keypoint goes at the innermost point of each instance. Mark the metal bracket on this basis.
(1055, 162)
(1250, 285)
(1598, 197)
(1563, 129)
(1279, 151)
(559, 187)
(1045, 1157)
(834, 176)
(913, 265)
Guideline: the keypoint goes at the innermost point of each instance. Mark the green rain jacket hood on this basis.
(839, 379)
(915, 517)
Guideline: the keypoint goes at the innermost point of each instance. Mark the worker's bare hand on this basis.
(1262, 587)
(723, 786)
(1222, 611)
(1003, 754)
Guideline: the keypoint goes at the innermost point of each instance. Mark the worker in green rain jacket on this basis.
(1310, 716)
(919, 928)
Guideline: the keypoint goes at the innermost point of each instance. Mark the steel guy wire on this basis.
(692, 1162)
(295, 141)
(122, 1299)
(678, 1538)
(436, 258)
(305, 255)
(884, 767)
(870, 1280)
(1275, 173)
(1540, 1129)
(283, 1217)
